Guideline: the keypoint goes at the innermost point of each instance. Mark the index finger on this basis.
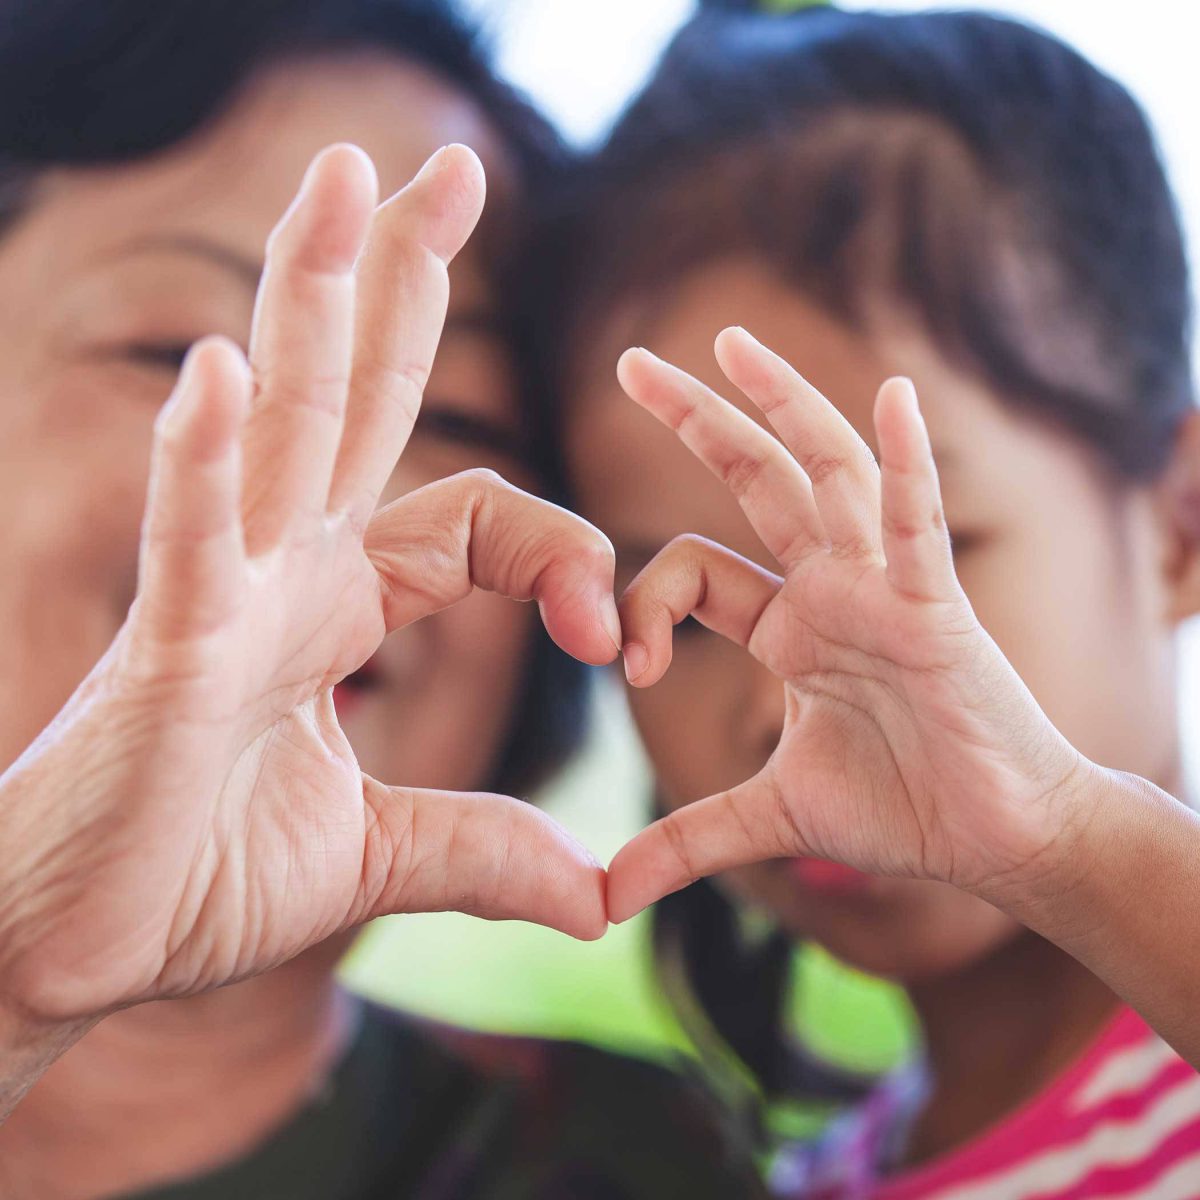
(403, 291)
(771, 489)
(844, 475)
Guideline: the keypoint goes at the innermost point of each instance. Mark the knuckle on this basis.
(485, 478)
(318, 393)
(404, 381)
(821, 468)
(742, 473)
(686, 544)
(478, 489)
(596, 551)
(679, 846)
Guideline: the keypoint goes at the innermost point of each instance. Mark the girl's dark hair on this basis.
(86, 82)
(966, 174)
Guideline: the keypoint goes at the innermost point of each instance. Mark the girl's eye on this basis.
(162, 356)
(471, 431)
(963, 541)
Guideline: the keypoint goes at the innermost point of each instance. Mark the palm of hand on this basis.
(873, 718)
(280, 829)
(199, 814)
(909, 745)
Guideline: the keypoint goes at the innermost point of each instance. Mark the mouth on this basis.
(357, 686)
(819, 875)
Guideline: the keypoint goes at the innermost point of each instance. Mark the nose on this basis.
(760, 712)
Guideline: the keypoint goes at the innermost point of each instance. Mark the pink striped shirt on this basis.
(1123, 1122)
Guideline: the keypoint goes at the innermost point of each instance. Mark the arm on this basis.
(1121, 898)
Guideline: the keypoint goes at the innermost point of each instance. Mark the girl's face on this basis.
(1067, 571)
(104, 282)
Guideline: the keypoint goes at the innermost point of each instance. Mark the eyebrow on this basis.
(477, 320)
(245, 268)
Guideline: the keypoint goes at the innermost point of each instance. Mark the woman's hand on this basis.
(195, 814)
(910, 746)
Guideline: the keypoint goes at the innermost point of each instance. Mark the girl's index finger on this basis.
(845, 479)
(772, 490)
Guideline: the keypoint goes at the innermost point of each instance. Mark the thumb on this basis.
(730, 829)
(490, 856)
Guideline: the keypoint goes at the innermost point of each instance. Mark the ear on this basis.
(1179, 495)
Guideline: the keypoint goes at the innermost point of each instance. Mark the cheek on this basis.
(913, 932)
(73, 471)
(1077, 615)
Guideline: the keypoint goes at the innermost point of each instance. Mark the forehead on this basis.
(238, 175)
(619, 453)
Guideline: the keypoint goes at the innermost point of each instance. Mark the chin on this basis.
(907, 962)
(908, 931)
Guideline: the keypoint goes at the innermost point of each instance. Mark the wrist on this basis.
(1047, 849)
(1101, 832)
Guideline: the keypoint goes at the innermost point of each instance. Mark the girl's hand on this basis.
(195, 814)
(910, 746)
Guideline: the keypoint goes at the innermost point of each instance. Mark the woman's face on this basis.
(1064, 569)
(104, 282)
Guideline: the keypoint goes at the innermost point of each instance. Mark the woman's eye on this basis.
(472, 432)
(163, 356)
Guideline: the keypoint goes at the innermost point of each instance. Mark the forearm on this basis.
(1124, 899)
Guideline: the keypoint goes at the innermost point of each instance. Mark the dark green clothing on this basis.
(419, 1113)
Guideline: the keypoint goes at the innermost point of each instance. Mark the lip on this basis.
(829, 878)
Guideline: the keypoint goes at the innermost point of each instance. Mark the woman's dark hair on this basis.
(85, 82)
(965, 174)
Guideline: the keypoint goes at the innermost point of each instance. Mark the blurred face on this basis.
(104, 282)
(1064, 569)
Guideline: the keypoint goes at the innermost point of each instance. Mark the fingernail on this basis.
(911, 389)
(637, 659)
(432, 166)
(612, 621)
(636, 352)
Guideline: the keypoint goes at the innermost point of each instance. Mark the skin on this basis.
(260, 581)
(100, 295)
(838, 767)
